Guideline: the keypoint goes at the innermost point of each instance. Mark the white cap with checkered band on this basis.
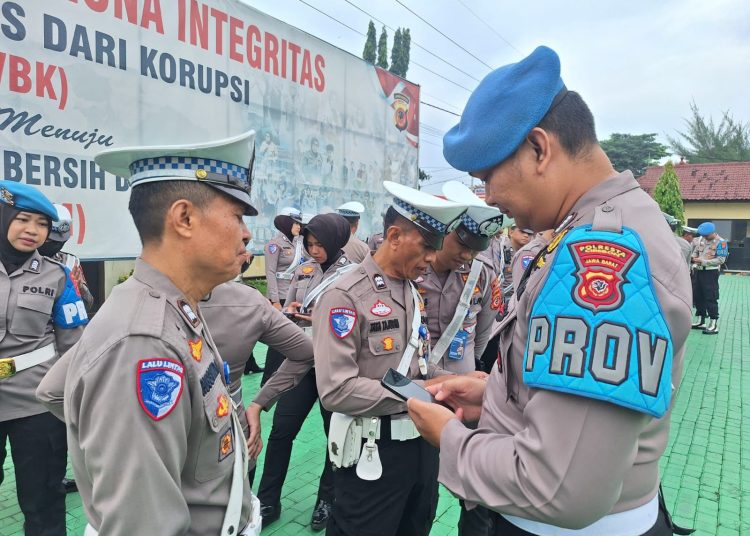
(433, 216)
(480, 222)
(226, 165)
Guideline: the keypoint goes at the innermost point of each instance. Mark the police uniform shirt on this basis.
(148, 415)
(279, 253)
(523, 257)
(238, 316)
(440, 302)
(494, 255)
(361, 326)
(356, 250)
(39, 306)
(568, 459)
(686, 248)
(373, 243)
(712, 253)
(308, 276)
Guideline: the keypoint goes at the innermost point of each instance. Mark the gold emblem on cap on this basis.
(413, 217)
(201, 174)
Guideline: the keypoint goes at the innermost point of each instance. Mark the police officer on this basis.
(366, 323)
(685, 246)
(238, 316)
(154, 439)
(461, 294)
(516, 239)
(374, 241)
(355, 250)
(59, 234)
(42, 315)
(708, 253)
(324, 238)
(283, 254)
(525, 255)
(574, 417)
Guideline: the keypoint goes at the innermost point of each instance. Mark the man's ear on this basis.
(181, 218)
(393, 234)
(541, 144)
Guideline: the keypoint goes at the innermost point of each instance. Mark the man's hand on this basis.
(478, 374)
(430, 419)
(462, 393)
(276, 305)
(254, 442)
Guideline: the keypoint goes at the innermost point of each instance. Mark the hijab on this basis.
(11, 258)
(284, 224)
(331, 230)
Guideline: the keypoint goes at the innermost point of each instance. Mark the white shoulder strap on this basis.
(403, 366)
(327, 282)
(458, 317)
(233, 513)
(295, 260)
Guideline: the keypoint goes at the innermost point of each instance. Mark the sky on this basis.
(637, 63)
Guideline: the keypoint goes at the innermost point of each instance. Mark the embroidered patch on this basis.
(476, 290)
(381, 309)
(226, 444)
(497, 296)
(188, 312)
(602, 267)
(196, 349)
(384, 325)
(287, 252)
(526, 260)
(464, 277)
(160, 383)
(379, 282)
(422, 290)
(342, 320)
(387, 343)
(722, 250)
(222, 408)
(272, 248)
(34, 265)
(307, 269)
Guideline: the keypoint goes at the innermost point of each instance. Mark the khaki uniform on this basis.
(525, 255)
(440, 302)
(149, 415)
(279, 253)
(565, 459)
(374, 241)
(36, 309)
(706, 250)
(348, 369)
(356, 250)
(686, 248)
(238, 316)
(493, 255)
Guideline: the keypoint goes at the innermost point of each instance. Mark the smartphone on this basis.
(290, 315)
(403, 387)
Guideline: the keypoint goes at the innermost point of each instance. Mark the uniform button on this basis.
(230, 530)
(215, 421)
(154, 294)
(607, 208)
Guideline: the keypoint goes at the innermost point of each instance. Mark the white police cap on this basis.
(433, 216)
(60, 228)
(292, 212)
(351, 210)
(480, 222)
(226, 165)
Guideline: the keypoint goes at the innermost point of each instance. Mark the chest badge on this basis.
(226, 444)
(222, 408)
(379, 282)
(381, 309)
(388, 344)
(602, 267)
(196, 349)
(307, 270)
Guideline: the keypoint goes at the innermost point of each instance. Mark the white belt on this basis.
(308, 331)
(629, 523)
(706, 268)
(9, 366)
(284, 275)
(252, 528)
(237, 396)
(403, 428)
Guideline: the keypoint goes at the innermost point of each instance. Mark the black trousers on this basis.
(706, 293)
(291, 411)
(38, 445)
(402, 502)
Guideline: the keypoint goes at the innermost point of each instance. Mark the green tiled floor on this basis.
(706, 469)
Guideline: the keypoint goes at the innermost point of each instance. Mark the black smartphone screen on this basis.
(403, 387)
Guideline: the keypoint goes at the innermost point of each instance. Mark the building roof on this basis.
(729, 181)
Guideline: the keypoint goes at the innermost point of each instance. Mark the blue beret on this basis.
(502, 110)
(26, 198)
(706, 228)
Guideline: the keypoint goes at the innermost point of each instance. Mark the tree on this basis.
(704, 142)
(383, 49)
(667, 193)
(633, 151)
(396, 52)
(405, 49)
(368, 54)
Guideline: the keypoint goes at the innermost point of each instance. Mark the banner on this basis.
(81, 76)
